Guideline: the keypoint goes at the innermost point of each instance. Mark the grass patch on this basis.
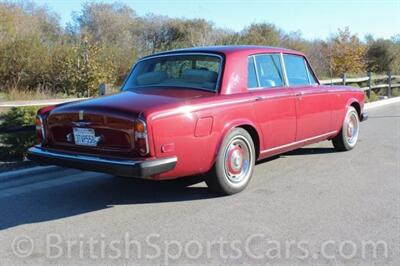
(18, 94)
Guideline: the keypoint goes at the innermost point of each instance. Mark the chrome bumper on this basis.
(120, 167)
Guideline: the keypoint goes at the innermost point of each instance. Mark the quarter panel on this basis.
(196, 154)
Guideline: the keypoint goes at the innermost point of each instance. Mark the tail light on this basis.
(40, 128)
(141, 139)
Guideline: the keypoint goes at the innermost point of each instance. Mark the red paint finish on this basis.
(191, 124)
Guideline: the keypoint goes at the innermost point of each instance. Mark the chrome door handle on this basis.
(260, 98)
(300, 93)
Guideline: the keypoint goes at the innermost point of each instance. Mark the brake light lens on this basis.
(141, 140)
(40, 129)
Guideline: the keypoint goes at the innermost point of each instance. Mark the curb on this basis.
(380, 103)
(27, 172)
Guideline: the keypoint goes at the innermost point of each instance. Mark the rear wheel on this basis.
(348, 135)
(234, 164)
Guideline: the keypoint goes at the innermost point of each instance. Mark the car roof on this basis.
(230, 49)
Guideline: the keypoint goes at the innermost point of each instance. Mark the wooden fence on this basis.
(392, 81)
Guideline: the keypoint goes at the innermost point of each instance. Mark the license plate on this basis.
(84, 136)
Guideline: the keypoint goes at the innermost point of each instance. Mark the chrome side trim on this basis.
(122, 162)
(298, 142)
(255, 68)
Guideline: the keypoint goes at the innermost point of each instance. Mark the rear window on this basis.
(189, 71)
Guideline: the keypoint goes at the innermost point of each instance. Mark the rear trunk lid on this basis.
(110, 119)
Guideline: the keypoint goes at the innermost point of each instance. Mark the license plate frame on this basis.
(84, 136)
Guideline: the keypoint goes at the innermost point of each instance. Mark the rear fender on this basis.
(234, 124)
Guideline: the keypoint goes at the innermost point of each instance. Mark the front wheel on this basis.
(234, 164)
(348, 135)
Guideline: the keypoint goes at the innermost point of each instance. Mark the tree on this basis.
(84, 70)
(294, 40)
(153, 37)
(348, 53)
(318, 53)
(380, 56)
(182, 33)
(261, 34)
(115, 29)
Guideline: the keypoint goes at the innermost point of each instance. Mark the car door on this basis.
(313, 102)
(274, 107)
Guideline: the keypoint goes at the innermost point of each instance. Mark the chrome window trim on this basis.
(258, 79)
(219, 79)
(256, 70)
(283, 65)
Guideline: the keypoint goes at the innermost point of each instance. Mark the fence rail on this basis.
(389, 78)
(357, 80)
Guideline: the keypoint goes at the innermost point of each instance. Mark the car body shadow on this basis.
(92, 195)
(105, 191)
(300, 151)
(309, 151)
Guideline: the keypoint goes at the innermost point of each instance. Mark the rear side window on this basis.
(296, 71)
(251, 74)
(269, 70)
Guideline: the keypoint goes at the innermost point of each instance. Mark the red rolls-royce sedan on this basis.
(209, 111)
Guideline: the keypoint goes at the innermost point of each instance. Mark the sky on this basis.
(314, 19)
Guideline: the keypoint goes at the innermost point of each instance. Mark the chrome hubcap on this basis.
(237, 160)
(352, 129)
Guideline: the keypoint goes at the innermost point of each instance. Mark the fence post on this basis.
(369, 84)
(389, 91)
(344, 78)
(104, 89)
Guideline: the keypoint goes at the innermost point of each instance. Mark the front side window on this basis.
(187, 71)
(296, 70)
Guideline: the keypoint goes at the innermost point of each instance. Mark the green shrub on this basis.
(13, 146)
(373, 97)
(395, 92)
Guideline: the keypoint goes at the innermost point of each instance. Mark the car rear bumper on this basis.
(120, 167)
(364, 116)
